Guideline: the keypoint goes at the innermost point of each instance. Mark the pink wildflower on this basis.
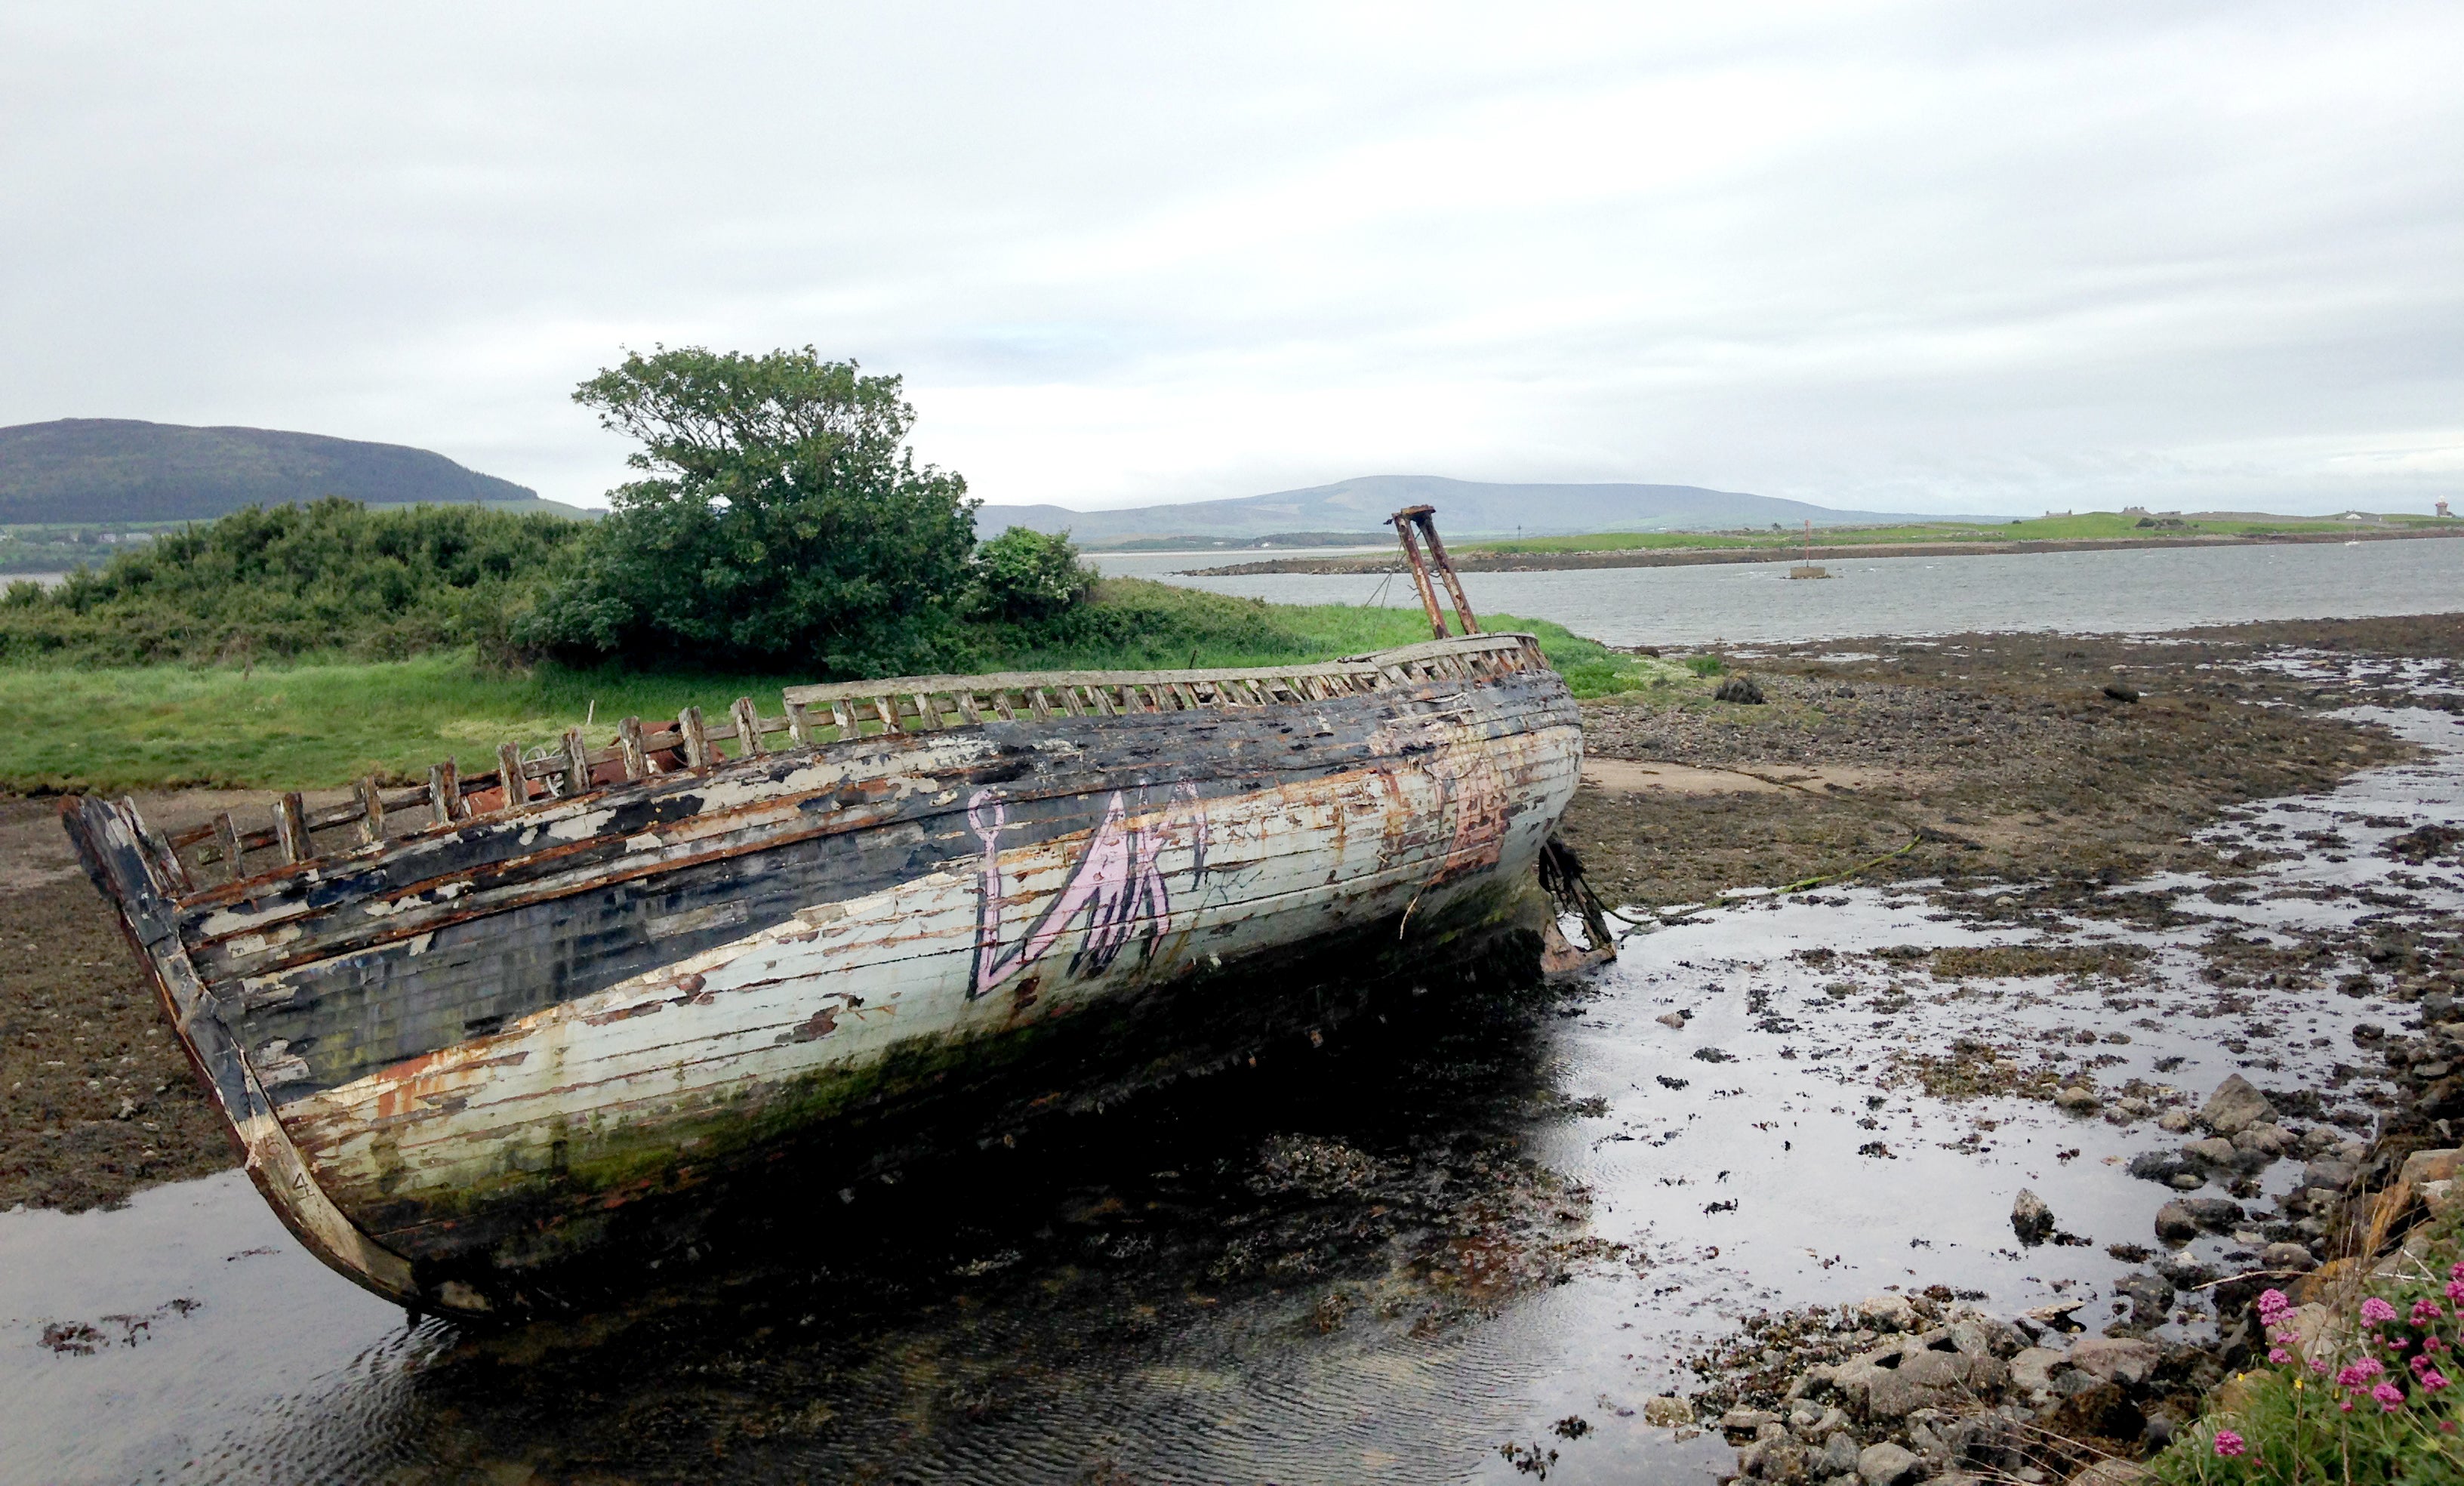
(2347, 1406)
(2279, 1356)
(2271, 1304)
(2318, 1366)
(2432, 1344)
(2357, 1373)
(2455, 1291)
(2229, 1443)
(2432, 1380)
(2455, 1271)
(2427, 1312)
(2390, 1397)
(2375, 1311)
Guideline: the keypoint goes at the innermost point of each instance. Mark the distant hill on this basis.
(101, 470)
(1468, 509)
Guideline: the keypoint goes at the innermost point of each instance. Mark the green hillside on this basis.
(120, 472)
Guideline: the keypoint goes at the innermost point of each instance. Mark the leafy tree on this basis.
(1027, 578)
(784, 523)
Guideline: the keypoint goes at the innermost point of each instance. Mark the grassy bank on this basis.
(2085, 527)
(313, 724)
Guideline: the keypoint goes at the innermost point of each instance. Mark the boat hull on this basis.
(464, 1060)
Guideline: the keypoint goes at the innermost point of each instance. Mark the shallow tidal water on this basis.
(2126, 591)
(1386, 1260)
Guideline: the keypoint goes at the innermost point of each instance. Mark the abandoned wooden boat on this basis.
(467, 1032)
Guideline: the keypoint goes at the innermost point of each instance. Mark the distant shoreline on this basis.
(1480, 561)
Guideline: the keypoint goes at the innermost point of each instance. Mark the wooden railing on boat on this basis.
(836, 712)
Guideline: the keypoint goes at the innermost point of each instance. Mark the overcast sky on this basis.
(1969, 257)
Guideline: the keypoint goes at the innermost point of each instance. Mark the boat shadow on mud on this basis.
(1054, 1310)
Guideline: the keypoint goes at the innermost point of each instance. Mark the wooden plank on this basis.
(444, 793)
(291, 829)
(799, 724)
(748, 726)
(968, 712)
(509, 775)
(1014, 681)
(576, 762)
(371, 810)
(158, 847)
(629, 743)
(696, 738)
(235, 855)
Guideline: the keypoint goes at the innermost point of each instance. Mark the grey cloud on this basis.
(1909, 255)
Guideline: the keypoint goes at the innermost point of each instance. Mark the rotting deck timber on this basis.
(458, 1056)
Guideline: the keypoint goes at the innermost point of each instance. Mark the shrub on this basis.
(1027, 578)
(282, 582)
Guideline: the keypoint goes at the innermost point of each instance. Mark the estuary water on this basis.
(2078, 593)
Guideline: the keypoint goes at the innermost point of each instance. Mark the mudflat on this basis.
(1999, 757)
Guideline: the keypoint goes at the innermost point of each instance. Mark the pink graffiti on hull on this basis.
(1116, 886)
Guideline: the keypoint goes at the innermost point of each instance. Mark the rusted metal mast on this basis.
(1422, 518)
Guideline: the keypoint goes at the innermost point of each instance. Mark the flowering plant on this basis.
(2368, 1401)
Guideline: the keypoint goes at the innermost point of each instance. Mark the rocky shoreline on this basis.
(1923, 1386)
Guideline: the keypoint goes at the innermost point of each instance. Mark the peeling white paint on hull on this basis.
(764, 967)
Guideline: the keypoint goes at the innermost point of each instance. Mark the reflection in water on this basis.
(1380, 1260)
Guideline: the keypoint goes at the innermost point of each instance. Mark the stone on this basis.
(2175, 1224)
(1746, 1421)
(1887, 1313)
(1838, 1455)
(2262, 1140)
(2101, 1410)
(2287, 1256)
(1891, 1382)
(2430, 1165)
(2031, 1219)
(2122, 1359)
(1888, 1465)
(1979, 1334)
(2173, 1121)
(2186, 1271)
(2219, 1213)
(2188, 1182)
(1775, 1460)
(2033, 1368)
(2150, 1297)
(2330, 1173)
(2158, 1165)
(2235, 1104)
(1985, 1442)
(2077, 1100)
(2111, 1473)
(1664, 1410)
(2214, 1152)
(1676, 1019)
(1740, 689)
(2439, 1197)
(2122, 691)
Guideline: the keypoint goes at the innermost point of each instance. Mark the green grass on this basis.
(2090, 525)
(319, 725)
